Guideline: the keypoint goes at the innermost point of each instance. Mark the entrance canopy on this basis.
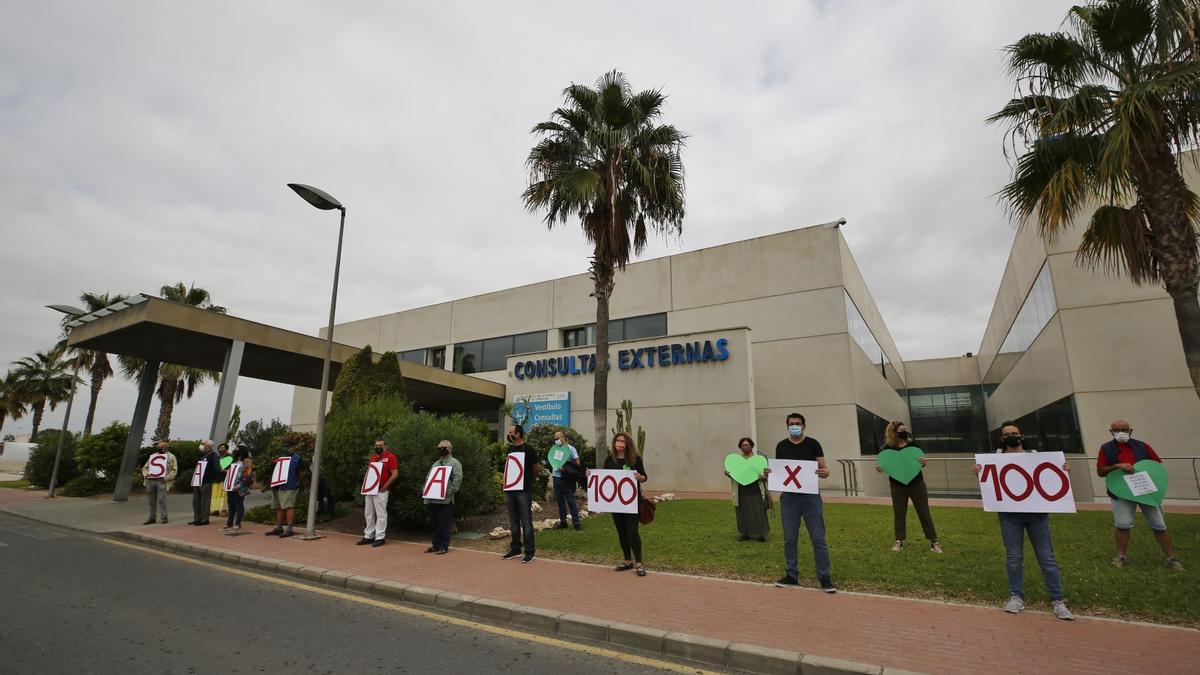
(154, 329)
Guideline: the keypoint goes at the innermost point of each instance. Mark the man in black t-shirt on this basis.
(794, 506)
(520, 502)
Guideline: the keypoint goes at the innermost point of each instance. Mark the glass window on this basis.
(580, 337)
(640, 327)
(871, 428)
(414, 355)
(616, 331)
(437, 357)
(529, 342)
(1054, 427)
(861, 333)
(1037, 310)
(495, 353)
(948, 419)
(468, 356)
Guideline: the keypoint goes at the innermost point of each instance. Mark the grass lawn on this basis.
(19, 484)
(700, 537)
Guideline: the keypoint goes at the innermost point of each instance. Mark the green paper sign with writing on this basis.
(559, 455)
(1118, 483)
(903, 465)
(745, 470)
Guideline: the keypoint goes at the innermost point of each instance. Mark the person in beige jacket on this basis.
(158, 472)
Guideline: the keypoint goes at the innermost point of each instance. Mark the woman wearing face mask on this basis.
(751, 502)
(1014, 526)
(898, 438)
(625, 455)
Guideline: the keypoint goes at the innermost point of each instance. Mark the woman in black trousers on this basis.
(625, 456)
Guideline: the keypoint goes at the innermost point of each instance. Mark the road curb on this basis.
(695, 649)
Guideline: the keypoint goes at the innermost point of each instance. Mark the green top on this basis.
(456, 476)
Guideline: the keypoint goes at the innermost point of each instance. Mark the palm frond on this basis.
(1116, 241)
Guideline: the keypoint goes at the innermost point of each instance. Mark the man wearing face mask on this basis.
(520, 502)
(564, 487)
(202, 495)
(375, 506)
(794, 506)
(1120, 454)
(441, 511)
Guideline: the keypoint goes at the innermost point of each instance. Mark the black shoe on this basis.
(510, 555)
(744, 537)
(442, 551)
(578, 527)
(201, 524)
(788, 581)
(364, 541)
(529, 557)
(149, 522)
(164, 521)
(270, 533)
(378, 543)
(561, 526)
(192, 523)
(761, 539)
(432, 549)
(827, 585)
(286, 534)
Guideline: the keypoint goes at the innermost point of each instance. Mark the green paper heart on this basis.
(559, 455)
(1115, 481)
(903, 465)
(745, 470)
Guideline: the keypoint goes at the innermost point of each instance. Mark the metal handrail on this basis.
(851, 487)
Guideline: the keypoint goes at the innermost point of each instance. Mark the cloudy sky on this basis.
(147, 143)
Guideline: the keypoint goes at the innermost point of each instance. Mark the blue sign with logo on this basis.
(553, 408)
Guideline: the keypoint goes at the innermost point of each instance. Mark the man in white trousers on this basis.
(375, 506)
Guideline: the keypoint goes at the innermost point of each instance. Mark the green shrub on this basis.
(413, 437)
(256, 436)
(361, 380)
(266, 515)
(86, 485)
(187, 453)
(99, 455)
(41, 459)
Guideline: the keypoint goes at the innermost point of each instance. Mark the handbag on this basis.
(646, 509)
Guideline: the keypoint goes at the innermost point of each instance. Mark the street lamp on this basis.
(74, 313)
(324, 201)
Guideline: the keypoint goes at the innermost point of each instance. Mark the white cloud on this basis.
(147, 143)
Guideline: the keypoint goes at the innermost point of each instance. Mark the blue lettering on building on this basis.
(657, 356)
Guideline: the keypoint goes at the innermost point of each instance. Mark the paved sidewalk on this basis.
(914, 635)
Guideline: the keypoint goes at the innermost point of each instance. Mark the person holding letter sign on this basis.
(444, 479)
(1014, 526)
(285, 485)
(625, 456)
(1121, 454)
(898, 438)
(796, 506)
(209, 467)
(382, 470)
(158, 473)
(239, 477)
(520, 470)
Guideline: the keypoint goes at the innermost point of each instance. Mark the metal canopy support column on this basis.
(137, 430)
(225, 394)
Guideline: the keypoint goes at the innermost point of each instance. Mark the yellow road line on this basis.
(432, 616)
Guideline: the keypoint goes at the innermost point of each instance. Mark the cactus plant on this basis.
(625, 424)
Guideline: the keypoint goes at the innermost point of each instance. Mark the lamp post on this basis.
(324, 201)
(73, 312)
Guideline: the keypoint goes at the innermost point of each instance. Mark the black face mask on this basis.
(904, 436)
(442, 452)
(1012, 441)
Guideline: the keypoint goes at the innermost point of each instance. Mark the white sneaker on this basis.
(1060, 610)
(1015, 604)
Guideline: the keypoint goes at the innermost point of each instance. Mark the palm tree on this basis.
(43, 379)
(605, 159)
(174, 381)
(94, 362)
(12, 404)
(1102, 116)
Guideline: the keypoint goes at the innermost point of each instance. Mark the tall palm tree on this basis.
(95, 363)
(174, 381)
(1103, 114)
(12, 404)
(43, 379)
(605, 159)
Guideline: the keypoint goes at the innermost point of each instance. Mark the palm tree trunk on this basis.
(3, 416)
(37, 419)
(166, 398)
(1187, 315)
(91, 413)
(602, 275)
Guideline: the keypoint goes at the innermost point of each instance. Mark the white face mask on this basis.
(201, 447)
(558, 441)
(1121, 436)
(796, 430)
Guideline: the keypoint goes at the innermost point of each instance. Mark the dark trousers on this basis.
(520, 519)
(919, 494)
(564, 494)
(442, 516)
(794, 507)
(201, 502)
(237, 508)
(627, 534)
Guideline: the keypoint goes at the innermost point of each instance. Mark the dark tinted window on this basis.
(414, 355)
(495, 353)
(468, 357)
(948, 419)
(870, 431)
(639, 327)
(529, 342)
(437, 357)
(1054, 427)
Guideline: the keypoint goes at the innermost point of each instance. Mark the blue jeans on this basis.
(793, 507)
(237, 508)
(1013, 527)
(564, 494)
(520, 519)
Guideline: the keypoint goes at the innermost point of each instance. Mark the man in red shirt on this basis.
(1120, 454)
(375, 506)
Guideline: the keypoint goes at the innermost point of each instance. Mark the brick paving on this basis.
(916, 635)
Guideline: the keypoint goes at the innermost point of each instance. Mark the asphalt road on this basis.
(72, 602)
